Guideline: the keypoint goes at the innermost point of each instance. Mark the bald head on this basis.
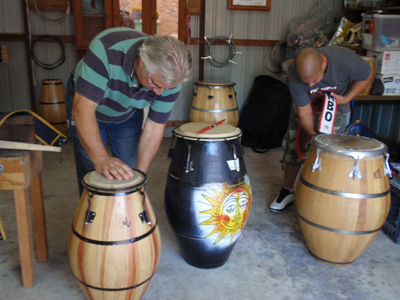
(308, 63)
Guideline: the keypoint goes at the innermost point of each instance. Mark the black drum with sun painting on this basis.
(208, 193)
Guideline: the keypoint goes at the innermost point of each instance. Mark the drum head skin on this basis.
(223, 131)
(94, 181)
(356, 146)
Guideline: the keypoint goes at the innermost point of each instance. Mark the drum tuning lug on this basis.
(355, 172)
(210, 97)
(232, 62)
(206, 57)
(89, 217)
(189, 167)
(189, 163)
(317, 163)
(144, 217)
(387, 170)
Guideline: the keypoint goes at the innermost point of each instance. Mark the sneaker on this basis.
(284, 198)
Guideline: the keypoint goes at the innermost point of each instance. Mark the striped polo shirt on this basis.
(106, 76)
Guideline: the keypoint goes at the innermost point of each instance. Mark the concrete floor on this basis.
(270, 259)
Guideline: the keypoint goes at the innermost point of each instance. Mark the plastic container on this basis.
(381, 32)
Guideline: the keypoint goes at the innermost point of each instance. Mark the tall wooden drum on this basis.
(52, 104)
(343, 196)
(115, 244)
(213, 102)
(208, 194)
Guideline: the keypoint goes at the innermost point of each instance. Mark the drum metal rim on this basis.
(215, 85)
(205, 139)
(356, 154)
(115, 191)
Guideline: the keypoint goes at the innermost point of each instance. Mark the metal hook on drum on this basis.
(386, 169)
(355, 172)
(317, 163)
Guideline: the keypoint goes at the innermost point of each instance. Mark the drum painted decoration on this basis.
(52, 104)
(208, 193)
(213, 102)
(343, 196)
(115, 245)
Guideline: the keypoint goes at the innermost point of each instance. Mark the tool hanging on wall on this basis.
(232, 51)
(59, 20)
(4, 57)
(53, 65)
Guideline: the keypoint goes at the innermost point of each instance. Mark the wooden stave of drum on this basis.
(213, 102)
(116, 254)
(340, 217)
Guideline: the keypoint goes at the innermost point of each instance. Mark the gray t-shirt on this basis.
(344, 65)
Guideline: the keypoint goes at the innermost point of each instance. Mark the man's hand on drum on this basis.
(113, 168)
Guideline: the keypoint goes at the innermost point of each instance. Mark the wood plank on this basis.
(25, 239)
(27, 146)
(39, 218)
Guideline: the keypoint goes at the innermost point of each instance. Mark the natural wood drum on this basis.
(343, 196)
(115, 243)
(213, 102)
(52, 104)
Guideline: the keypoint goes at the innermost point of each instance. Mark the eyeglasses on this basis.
(154, 85)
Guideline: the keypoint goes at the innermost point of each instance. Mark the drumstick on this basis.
(210, 127)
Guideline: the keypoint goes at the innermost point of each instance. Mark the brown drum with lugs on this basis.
(52, 104)
(214, 102)
(115, 244)
(343, 196)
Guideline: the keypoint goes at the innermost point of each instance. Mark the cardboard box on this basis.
(391, 83)
(381, 32)
(386, 62)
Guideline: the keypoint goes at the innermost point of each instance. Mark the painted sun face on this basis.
(229, 210)
(233, 209)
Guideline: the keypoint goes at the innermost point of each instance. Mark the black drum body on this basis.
(207, 196)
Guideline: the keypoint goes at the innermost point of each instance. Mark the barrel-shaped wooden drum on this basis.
(343, 196)
(208, 194)
(52, 104)
(115, 243)
(213, 102)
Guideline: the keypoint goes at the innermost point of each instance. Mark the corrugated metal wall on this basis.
(14, 81)
(242, 24)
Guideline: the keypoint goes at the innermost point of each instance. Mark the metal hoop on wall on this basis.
(54, 65)
(228, 60)
(66, 13)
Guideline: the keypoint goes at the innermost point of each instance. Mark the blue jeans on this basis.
(121, 138)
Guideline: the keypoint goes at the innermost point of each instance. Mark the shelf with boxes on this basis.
(381, 40)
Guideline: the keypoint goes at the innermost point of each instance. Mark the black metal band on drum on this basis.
(116, 243)
(342, 194)
(114, 290)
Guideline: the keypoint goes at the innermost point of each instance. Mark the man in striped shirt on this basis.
(122, 72)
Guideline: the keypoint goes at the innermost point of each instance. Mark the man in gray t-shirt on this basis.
(337, 70)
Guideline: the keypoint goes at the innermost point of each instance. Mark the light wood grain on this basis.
(338, 212)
